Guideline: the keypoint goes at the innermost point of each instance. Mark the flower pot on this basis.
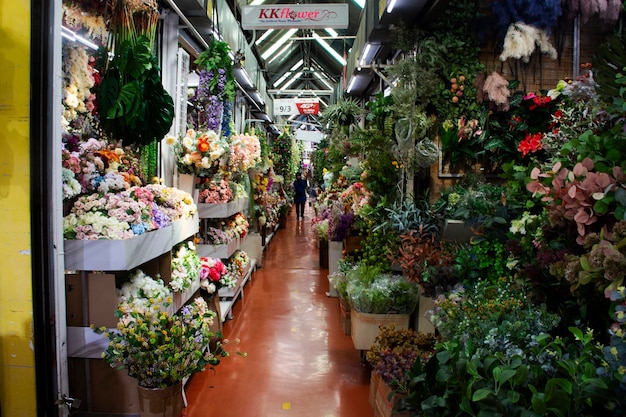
(323, 246)
(364, 327)
(161, 402)
(344, 316)
(335, 249)
(385, 402)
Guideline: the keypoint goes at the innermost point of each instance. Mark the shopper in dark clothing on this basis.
(299, 187)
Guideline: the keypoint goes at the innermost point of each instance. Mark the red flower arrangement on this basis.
(211, 273)
(531, 143)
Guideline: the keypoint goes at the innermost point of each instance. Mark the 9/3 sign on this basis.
(285, 107)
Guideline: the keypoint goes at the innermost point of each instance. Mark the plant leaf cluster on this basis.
(132, 103)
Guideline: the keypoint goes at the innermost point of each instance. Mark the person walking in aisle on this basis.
(299, 187)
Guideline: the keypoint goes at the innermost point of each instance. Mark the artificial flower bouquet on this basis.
(176, 204)
(356, 197)
(245, 152)
(96, 166)
(158, 348)
(126, 214)
(215, 191)
(113, 216)
(185, 266)
(200, 153)
(214, 275)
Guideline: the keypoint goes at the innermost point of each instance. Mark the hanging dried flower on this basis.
(607, 10)
(521, 41)
(497, 90)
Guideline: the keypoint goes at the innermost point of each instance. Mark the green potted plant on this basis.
(377, 298)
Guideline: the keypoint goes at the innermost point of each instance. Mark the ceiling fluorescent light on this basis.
(331, 32)
(366, 51)
(278, 44)
(279, 53)
(351, 84)
(264, 36)
(247, 78)
(256, 2)
(391, 5)
(291, 81)
(360, 3)
(326, 83)
(282, 79)
(298, 65)
(329, 48)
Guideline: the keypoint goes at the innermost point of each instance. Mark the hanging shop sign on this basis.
(301, 16)
(294, 106)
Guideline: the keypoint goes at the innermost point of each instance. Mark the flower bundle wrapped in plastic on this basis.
(199, 153)
(185, 266)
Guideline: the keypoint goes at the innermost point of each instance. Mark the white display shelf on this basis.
(184, 228)
(218, 251)
(228, 297)
(117, 255)
(222, 210)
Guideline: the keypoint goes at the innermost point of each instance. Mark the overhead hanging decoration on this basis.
(132, 103)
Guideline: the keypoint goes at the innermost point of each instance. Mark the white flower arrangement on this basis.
(144, 293)
(185, 266)
(521, 41)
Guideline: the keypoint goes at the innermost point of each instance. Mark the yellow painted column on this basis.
(17, 366)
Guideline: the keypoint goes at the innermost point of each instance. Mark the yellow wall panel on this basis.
(17, 372)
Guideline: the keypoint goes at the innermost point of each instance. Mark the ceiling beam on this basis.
(296, 92)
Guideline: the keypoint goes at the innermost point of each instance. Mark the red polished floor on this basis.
(299, 362)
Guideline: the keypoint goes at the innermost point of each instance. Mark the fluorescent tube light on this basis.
(326, 83)
(282, 51)
(291, 80)
(256, 2)
(298, 65)
(278, 44)
(351, 84)
(331, 32)
(391, 5)
(360, 3)
(282, 79)
(264, 36)
(248, 80)
(329, 49)
(366, 51)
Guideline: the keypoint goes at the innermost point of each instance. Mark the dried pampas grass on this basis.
(607, 10)
(496, 88)
(521, 40)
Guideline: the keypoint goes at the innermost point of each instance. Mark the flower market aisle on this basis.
(299, 362)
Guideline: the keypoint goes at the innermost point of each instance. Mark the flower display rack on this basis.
(124, 255)
(223, 210)
(228, 296)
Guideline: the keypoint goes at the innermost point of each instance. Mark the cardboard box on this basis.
(365, 327)
(385, 402)
(74, 299)
(102, 389)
